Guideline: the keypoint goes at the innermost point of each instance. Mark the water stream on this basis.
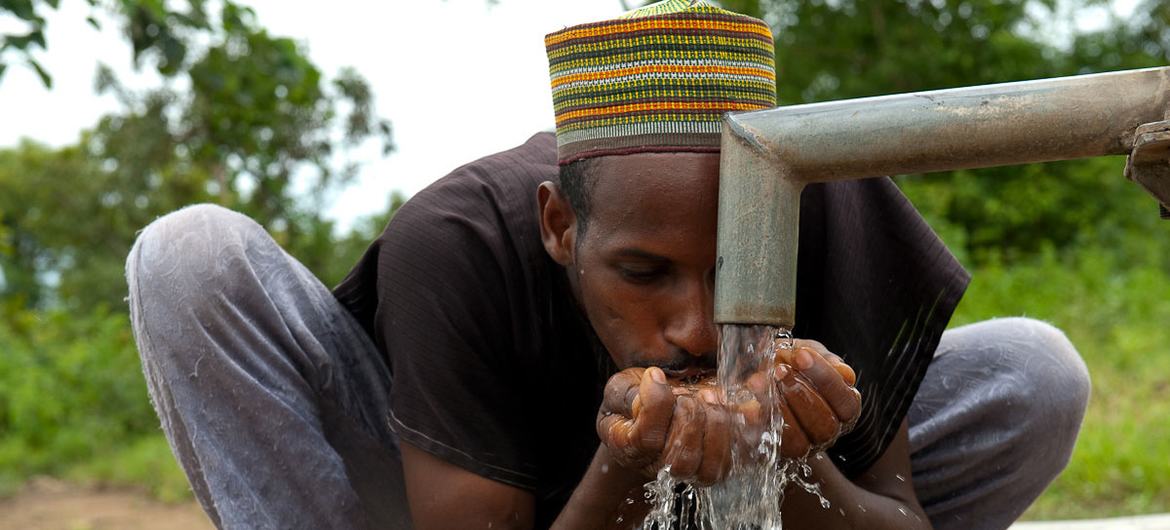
(751, 496)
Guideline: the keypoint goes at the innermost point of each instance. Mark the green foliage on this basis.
(260, 130)
(152, 27)
(66, 250)
(142, 463)
(1007, 214)
(848, 48)
(23, 44)
(71, 390)
(32, 215)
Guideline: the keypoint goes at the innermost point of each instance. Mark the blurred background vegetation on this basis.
(1073, 243)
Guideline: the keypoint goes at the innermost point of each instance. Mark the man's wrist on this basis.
(601, 498)
(626, 478)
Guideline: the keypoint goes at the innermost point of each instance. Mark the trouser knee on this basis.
(1062, 387)
(190, 253)
(1043, 394)
(183, 266)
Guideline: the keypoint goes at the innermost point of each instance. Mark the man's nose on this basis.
(692, 327)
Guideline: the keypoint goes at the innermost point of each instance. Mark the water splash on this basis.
(752, 494)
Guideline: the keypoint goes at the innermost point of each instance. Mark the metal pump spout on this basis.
(769, 156)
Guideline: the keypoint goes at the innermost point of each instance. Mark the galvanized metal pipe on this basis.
(768, 156)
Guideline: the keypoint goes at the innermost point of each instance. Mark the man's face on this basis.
(644, 271)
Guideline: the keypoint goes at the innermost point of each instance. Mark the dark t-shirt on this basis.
(495, 369)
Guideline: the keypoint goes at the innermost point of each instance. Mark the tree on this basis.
(256, 119)
(30, 222)
(24, 43)
(151, 26)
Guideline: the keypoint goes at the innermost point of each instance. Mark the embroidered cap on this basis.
(657, 79)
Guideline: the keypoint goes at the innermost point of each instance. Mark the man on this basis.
(512, 352)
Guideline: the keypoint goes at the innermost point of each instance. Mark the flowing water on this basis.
(751, 496)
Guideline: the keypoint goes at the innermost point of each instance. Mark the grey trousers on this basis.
(274, 400)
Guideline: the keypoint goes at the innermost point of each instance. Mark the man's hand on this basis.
(816, 394)
(648, 422)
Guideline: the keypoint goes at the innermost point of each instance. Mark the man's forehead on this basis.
(650, 170)
(655, 192)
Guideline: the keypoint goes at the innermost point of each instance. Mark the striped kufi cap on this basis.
(658, 79)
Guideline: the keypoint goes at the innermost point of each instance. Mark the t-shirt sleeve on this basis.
(878, 287)
(444, 320)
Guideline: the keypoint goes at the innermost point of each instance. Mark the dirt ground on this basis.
(51, 505)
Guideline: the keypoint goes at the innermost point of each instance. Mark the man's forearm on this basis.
(600, 500)
(851, 506)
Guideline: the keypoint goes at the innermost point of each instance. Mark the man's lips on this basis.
(689, 375)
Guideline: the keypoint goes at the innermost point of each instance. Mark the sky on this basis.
(459, 79)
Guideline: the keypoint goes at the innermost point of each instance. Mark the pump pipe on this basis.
(768, 156)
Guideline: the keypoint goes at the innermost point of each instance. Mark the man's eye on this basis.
(641, 276)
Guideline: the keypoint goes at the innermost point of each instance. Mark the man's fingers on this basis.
(813, 415)
(843, 369)
(615, 430)
(759, 386)
(716, 443)
(620, 391)
(843, 400)
(656, 404)
(645, 420)
(846, 373)
(684, 447)
(793, 442)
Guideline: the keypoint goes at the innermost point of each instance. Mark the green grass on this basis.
(73, 404)
(146, 464)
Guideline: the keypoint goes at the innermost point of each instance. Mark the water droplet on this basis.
(605, 468)
(784, 340)
(900, 478)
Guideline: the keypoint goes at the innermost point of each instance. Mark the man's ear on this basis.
(558, 223)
